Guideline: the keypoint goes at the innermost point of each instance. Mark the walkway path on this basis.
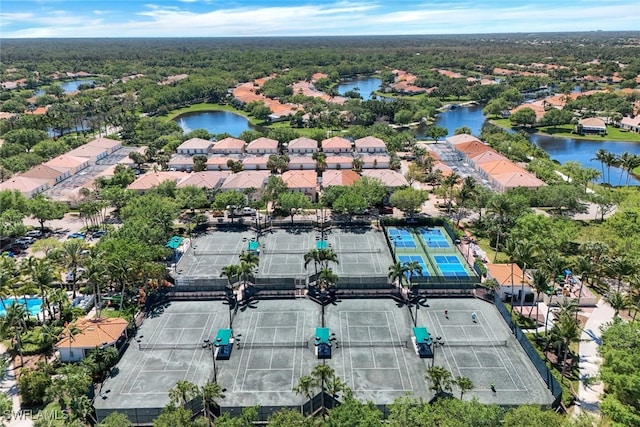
(589, 364)
(10, 387)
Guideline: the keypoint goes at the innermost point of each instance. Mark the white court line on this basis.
(472, 350)
(505, 356)
(249, 331)
(404, 357)
(350, 357)
(395, 350)
(184, 328)
(442, 349)
(208, 326)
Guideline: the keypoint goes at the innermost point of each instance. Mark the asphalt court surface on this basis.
(375, 369)
(143, 377)
(361, 252)
(484, 351)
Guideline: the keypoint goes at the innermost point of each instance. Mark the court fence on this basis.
(543, 369)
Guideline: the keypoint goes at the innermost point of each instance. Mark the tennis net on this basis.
(152, 347)
(381, 344)
(198, 252)
(288, 344)
(478, 343)
(304, 251)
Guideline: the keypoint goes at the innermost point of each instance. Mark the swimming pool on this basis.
(34, 305)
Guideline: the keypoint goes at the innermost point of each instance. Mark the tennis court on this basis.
(168, 347)
(434, 238)
(484, 351)
(401, 237)
(404, 259)
(450, 265)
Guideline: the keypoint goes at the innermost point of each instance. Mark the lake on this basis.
(560, 149)
(366, 86)
(214, 122)
(69, 87)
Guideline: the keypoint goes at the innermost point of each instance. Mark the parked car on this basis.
(98, 234)
(25, 240)
(77, 235)
(70, 276)
(386, 210)
(34, 233)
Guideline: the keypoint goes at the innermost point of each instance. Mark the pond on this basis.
(560, 149)
(365, 86)
(214, 122)
(69, 87)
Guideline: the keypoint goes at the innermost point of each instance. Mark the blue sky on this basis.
(216, 18)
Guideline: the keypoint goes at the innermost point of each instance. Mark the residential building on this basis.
(375, 161)
(92, 334)
(228, 146)
(206, 179)
(111, 145)
(66, 161)
(263, 146)
(181, 162)
(345, 178)
(388, 178)
(48, 173)
(247, 180)
(370, 144)
(194, 146)
(303, 182)
(221, 163)
(339, 162)
(301, 163)
(591, 126)
(91, 153)
(631, 123)
(28, 187)
(336, 145)
(512, 282)
(256, 163)
(149, 180)
(302, 146)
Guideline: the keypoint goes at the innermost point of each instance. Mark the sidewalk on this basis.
(10, 387)
(589, 363)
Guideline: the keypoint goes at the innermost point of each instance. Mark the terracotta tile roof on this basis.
(67, 161)
(173, 79)
(635, 121)
(450, 74)
(592, 122)
(105, 143)
(221, 159)
(6, 115)
(47, 172)
(335, 143)
(330, 160)
(195, 144)
(153, 179)
(488, 156)
(23, 184)
(263, 144)
(378, 158)
(180, 159)
(87, 151)
(473, 148)
(537, 106)
(38, 111)
(94, 333)
(443, 167)
(296, 161)
(204, 179)
(229, 143)
(318, 76)
(461, 139)
(388, 177)
(370, 142)
(502, 274)
(246, 179)
(498, 167)
(253, 161)
(303, 143)
(300, 179)
(518, 179)
(339, 177)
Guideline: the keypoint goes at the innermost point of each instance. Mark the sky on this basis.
(229, 18)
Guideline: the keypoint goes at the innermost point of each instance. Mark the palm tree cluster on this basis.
(210, 393)
(627, 161)
(326, 278)
(442, 381)
(324, 378)
(238, 274)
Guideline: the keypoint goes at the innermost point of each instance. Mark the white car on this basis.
(34, 233)
(25, 240)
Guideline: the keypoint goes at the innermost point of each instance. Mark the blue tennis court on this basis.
(410, 258)
(434, 238)
(450, 265)
(401, 238)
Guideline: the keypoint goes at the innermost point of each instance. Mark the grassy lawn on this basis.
(566, 131)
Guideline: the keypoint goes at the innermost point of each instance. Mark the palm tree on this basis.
(327, 256)
(119, 274)
(449, 182)
(618, 302)
(321, 160)
(564, 333)
(306, 386)
(621, 267)
(95, 274)
(8, 278)
(250, 258)
(440, 379)
(413, 268)
(210, 393)
(321, 374)
(397, 272)
(540, 283)
(523, 255)
(13, 324)
(72, 254)
(501, 209)
(464, 384)
(230, 272)
(81, 408)
(41, 274)
(50, 336)
(357, 164)
(326, 280)
(312, 256)
(182, 393)
(601, 156)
